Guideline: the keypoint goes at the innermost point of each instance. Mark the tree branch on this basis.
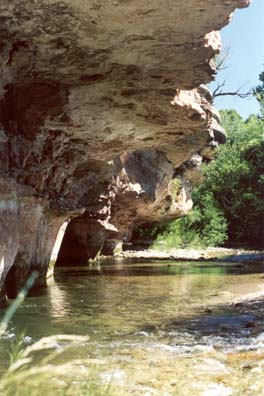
(239, 93)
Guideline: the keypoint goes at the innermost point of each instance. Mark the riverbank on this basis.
(209, 254)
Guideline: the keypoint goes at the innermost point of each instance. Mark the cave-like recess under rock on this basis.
(101, 105)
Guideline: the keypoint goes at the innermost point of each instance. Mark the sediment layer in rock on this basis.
(100, 106)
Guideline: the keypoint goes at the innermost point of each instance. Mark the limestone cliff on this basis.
(100, 105)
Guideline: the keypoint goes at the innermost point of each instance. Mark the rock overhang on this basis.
(84, 83)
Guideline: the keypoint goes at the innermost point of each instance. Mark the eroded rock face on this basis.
(27, 228)
(99, 106)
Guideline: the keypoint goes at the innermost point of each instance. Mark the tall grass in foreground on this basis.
(43, 367)
(17, 302)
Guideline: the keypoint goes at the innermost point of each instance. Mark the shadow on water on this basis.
(176, 297)
(230, 322)
(143, 268)
(170, 301)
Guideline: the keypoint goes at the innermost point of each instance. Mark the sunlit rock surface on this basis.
(99, 106)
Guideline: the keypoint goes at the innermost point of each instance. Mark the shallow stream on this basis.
(161, 328)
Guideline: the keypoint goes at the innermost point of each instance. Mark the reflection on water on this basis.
(151, 321)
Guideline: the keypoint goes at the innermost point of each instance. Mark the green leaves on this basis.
(229, 204)
(259, 93)
(204, 226)
(236, 179)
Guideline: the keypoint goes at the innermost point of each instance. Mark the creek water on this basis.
(160, 328)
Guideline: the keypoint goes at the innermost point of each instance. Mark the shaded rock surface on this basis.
(99, 106)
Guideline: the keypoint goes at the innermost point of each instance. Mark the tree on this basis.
(239, 92)
(229, 204)
(236, 179)
(259, 94)
(220, 64)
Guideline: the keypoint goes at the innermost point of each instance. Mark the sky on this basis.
(243, 39)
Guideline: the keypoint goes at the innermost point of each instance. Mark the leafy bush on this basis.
(229, 204)
(236, 180)
(204, 226)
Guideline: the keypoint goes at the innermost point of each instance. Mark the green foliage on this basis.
(232, 122)
(147, 231)
(236, 181)
(175, 187)
(16, 349)
(204, 226)
(259, 93)
(229, 204)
